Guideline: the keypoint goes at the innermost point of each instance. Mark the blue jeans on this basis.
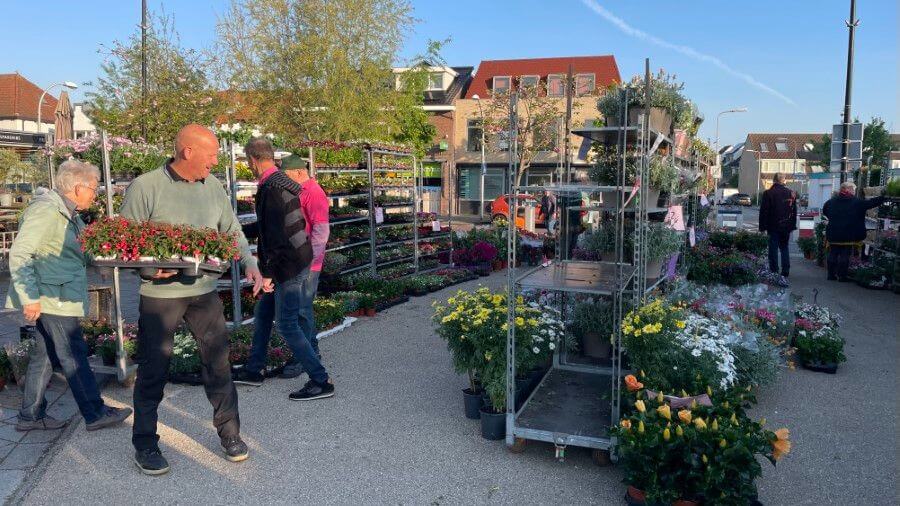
(61, 336)
(778, 243)
(291, 307)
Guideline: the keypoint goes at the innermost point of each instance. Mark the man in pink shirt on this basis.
(314, 204)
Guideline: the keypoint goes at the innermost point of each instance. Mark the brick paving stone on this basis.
(5, 448)
(24, 456)
(9, 482)
(9, 434)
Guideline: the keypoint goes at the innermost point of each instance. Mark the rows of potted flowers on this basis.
(344, 185)
(147, 245)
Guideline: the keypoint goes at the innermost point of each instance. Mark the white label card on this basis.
(692, 237)
(379, 215)
(704, 201)
(436, 226)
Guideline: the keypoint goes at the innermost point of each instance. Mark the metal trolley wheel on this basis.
(517, 446)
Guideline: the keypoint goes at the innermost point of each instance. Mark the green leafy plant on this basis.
(807, 245)
(5, 366)
(185, 355)
(893, 188)
(662, 241)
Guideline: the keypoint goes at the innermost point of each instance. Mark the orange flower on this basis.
(781, 446)
(625, 423)
(685, 415)
(632, 383)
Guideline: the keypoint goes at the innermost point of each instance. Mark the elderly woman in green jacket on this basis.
(48, 283)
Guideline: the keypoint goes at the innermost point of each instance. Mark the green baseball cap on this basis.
(293, 162)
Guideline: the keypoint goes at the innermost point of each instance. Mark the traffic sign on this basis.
(854, 147)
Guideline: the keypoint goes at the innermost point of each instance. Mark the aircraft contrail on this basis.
(685, 50)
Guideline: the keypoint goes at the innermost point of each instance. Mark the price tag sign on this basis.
(435, 226)
(379, 215)
(675, 218)
(692, 237)
(703, 200)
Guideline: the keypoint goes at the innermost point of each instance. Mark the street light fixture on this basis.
(737, 109)
(67, 84)
(483, 162)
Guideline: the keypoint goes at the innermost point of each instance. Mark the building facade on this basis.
(590, 73)
(764, 155)
(19, 99)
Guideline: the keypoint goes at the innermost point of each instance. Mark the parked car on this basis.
(738, 199)
(500, 209)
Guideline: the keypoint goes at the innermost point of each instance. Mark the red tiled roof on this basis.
(604, 69)
(19, 99)
(793, 141)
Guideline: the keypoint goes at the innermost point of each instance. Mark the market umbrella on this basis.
(63, 117)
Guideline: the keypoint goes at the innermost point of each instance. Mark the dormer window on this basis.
(556, 85)
(781, 146)
(763, 147)
(435, 81)
(501, 84)
(526, 82)
(584, 84)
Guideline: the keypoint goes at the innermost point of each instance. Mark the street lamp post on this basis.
(758, 170)
(737, 109)
(483, 161)
(67, 84)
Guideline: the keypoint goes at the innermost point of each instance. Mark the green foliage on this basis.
(662, 241)
(893, 188)
(665, 92)
(179, 90)
(321, 69)
(807, 245)
(877, 142)
(824, 345)
(593, 316)
(185, 354)
(5, 366)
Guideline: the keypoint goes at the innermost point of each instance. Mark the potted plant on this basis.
(107, 346)
(662, 242)
(19, 355)
(807, 246)
(871, 276)
(592, 324)
(667, 103)
(185, 364)
(483, 254)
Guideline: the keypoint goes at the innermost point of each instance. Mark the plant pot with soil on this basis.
(472, 402)
(493, 424)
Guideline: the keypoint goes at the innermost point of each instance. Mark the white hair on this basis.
(72, 173)
(848, 185)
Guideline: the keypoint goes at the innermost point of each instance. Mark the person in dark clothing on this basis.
(778, 218)
(285, 259)
(548, 210)
(846, 227)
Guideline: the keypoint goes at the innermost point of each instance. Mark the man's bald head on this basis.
(196, 152)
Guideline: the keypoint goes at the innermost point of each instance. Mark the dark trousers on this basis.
(158, 321)
(61, 339)
(839, 261)
(778, 244)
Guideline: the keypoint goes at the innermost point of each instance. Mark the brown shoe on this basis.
(46, 423)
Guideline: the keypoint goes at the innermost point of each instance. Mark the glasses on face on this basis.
(92, 188)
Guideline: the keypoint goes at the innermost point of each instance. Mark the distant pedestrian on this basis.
(778, 218)
(286, 258)
(48, 282)
(846, 227)
(548, 210)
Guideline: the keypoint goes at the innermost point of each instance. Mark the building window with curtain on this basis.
(556, 85)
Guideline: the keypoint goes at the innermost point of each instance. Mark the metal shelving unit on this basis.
(578, 399)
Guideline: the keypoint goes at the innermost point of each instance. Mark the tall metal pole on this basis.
(845, 144)
(144, 68)
(117, 295)
(567, 142)
(237, 316)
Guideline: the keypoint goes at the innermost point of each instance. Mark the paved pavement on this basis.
(395, 434)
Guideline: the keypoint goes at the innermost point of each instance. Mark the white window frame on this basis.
(781, 147)
(562, 78)
(537, 80)
(593, 77)
(763, 147)
(438, 75)
(508, 83)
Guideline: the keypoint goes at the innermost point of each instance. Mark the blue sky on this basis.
(784, 60)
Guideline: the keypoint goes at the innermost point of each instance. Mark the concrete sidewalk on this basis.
(395, 433)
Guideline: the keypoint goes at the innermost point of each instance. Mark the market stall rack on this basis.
(577, 400)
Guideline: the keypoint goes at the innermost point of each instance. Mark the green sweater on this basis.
(156, 196)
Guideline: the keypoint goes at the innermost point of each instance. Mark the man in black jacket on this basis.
(846, 227)
(285, 255)
(778, 217)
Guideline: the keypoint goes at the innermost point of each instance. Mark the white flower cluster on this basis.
(704, 335)
(819, 314)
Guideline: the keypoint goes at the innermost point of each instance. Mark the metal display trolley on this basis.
(887, 220)
(577, 400)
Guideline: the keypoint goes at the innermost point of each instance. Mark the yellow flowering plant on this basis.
(475, 326)
(702, 453)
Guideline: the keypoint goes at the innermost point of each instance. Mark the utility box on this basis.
(730, 218)
(806, 224)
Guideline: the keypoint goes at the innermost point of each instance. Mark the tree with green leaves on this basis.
(179, 89)
(877, 142)
(321, 69)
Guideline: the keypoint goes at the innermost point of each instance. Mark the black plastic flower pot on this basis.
(830, 368)
(493, 425)
(473, 403)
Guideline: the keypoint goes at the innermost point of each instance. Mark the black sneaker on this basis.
(235, 449)
(151, 462)
(313, 390)
(113, 416)
(244, 377)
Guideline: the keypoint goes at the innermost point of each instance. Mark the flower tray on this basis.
(820, 367)
(382, 305)
(148, 269)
